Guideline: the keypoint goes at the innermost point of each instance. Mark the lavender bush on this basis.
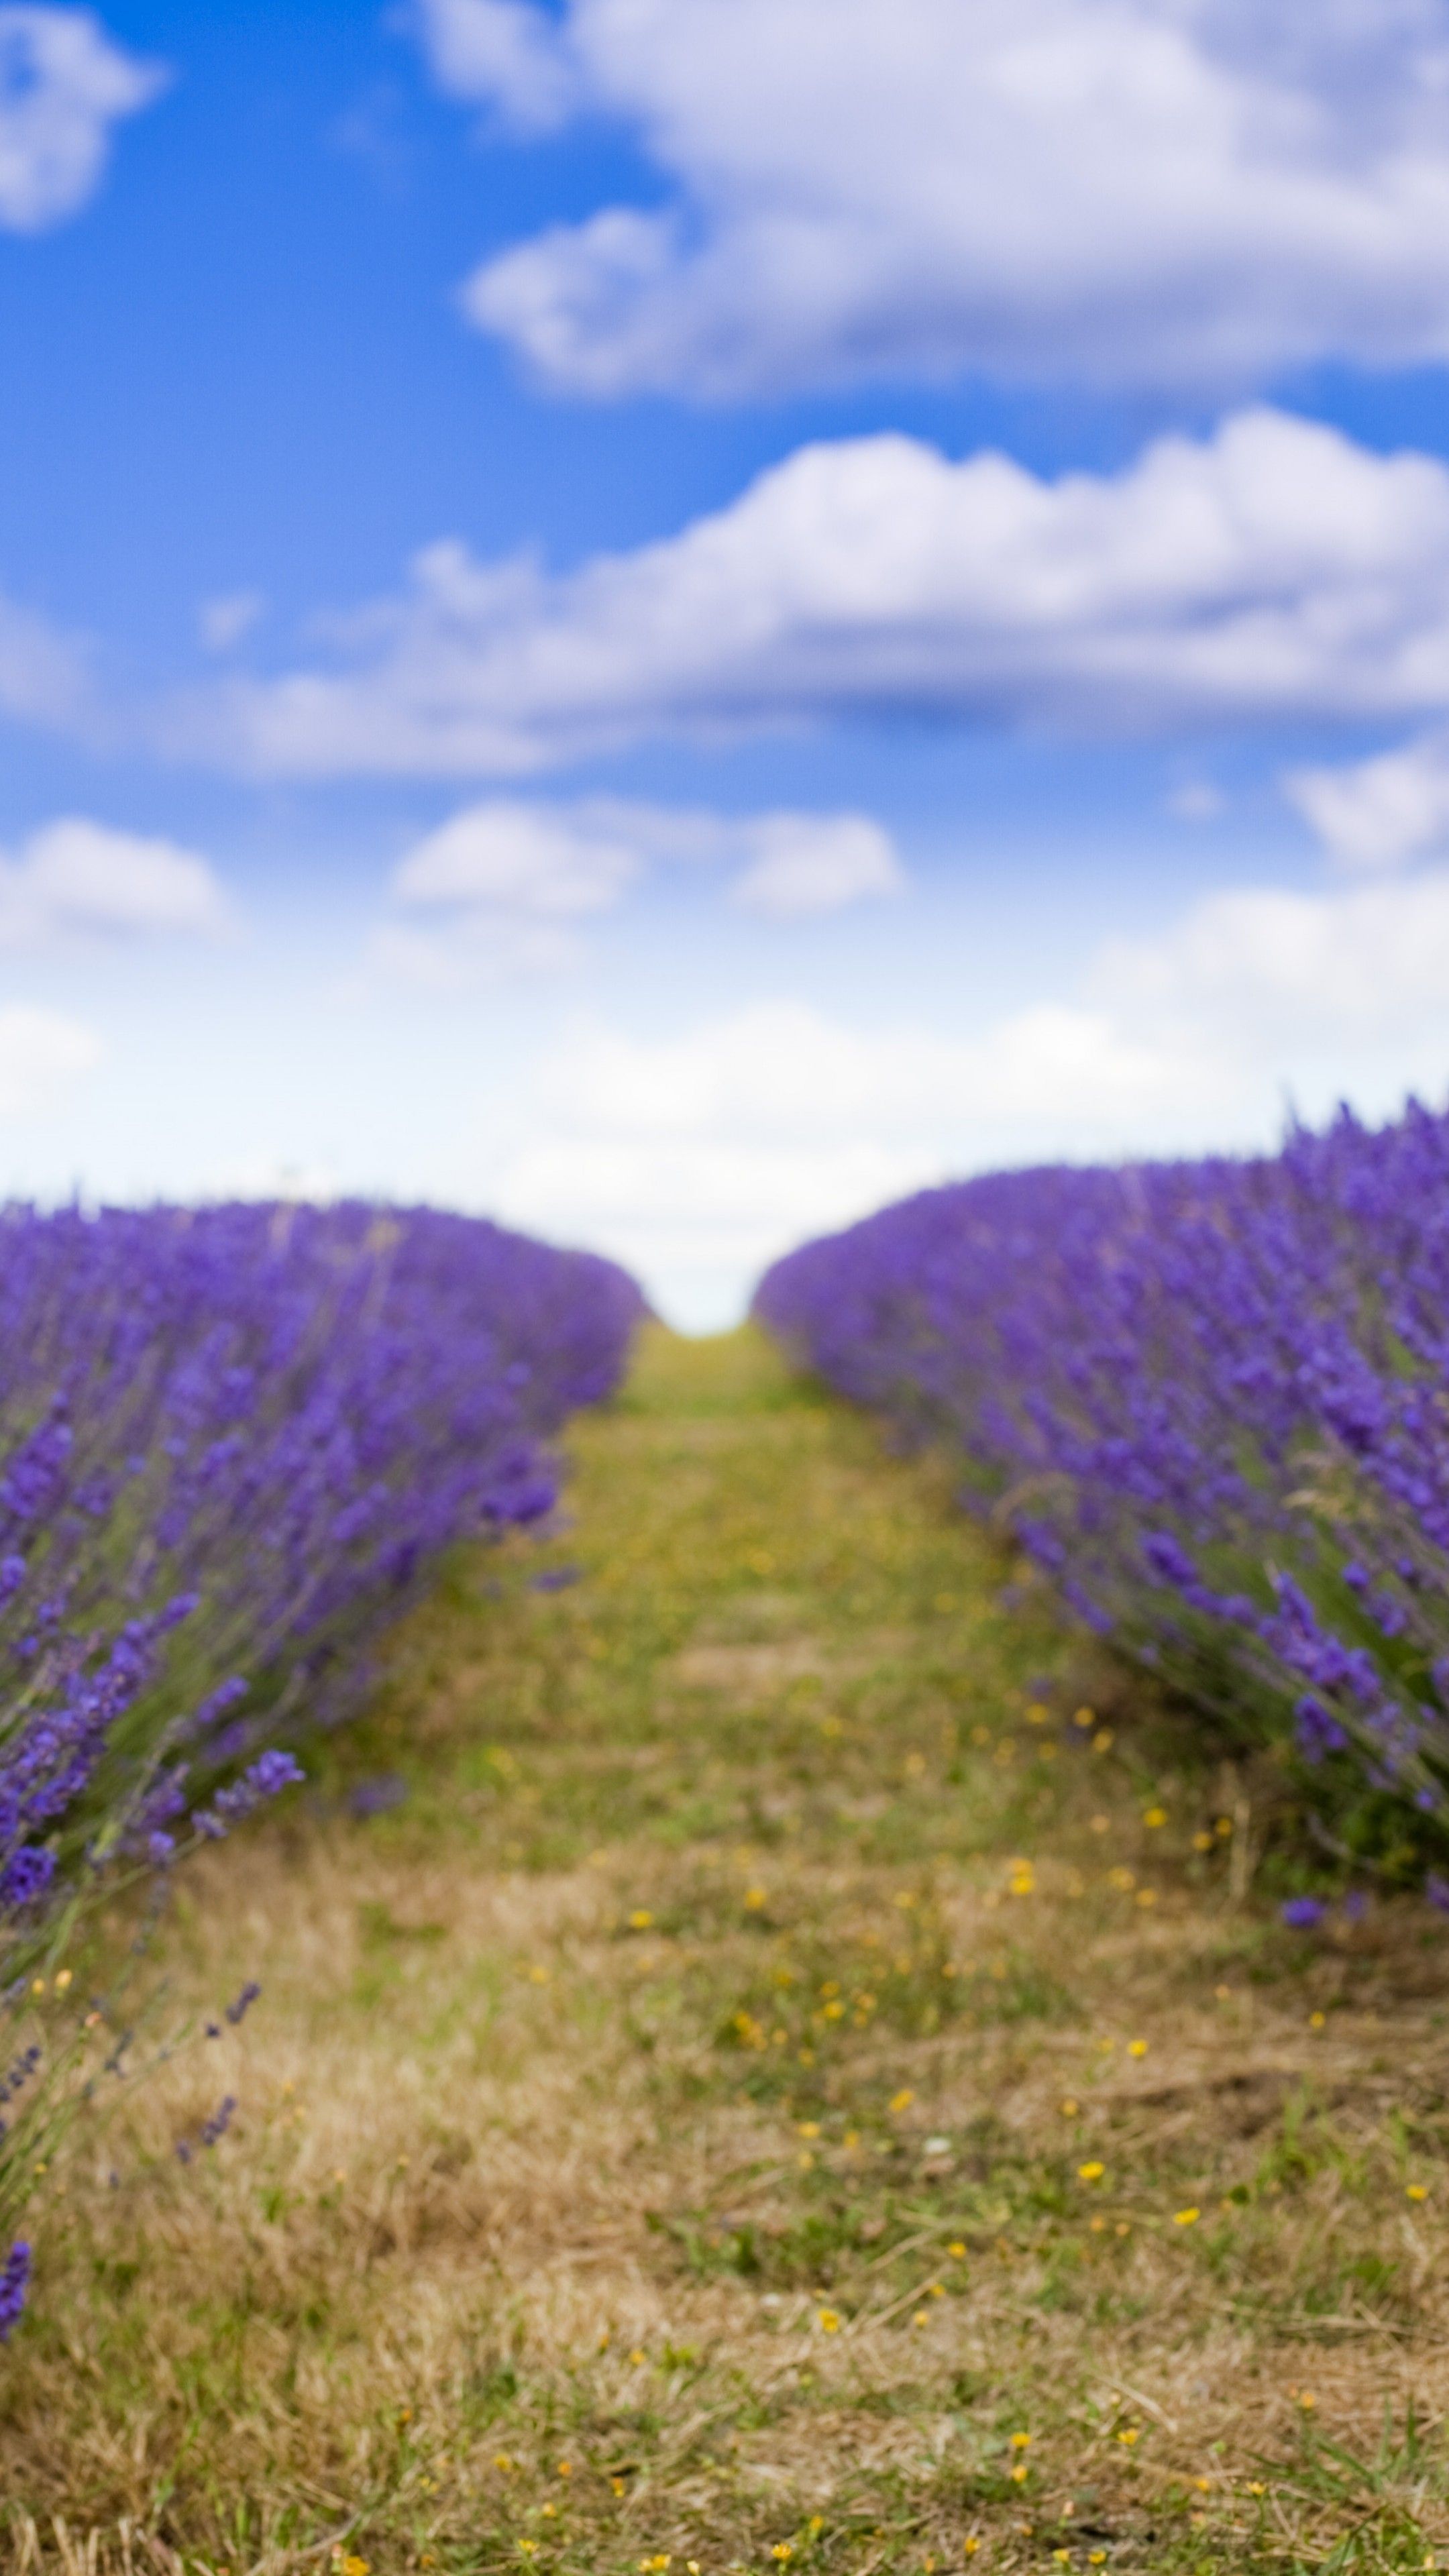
(1212, 1400)
(233, 1443)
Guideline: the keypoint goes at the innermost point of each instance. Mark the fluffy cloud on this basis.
(522, 858)
(509, 882)
(1376, 813)
(63, 85)
(1259, 970)
(77, 876)
(1121, 191)
(805, 865)
(1274, 569)
(41, 1054)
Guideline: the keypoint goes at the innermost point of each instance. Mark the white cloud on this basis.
(44, 677)
(511, 882)
(697, 1158)
(41, 1054)
(223, 621)
(500, 890)
(1260, 970)
(520, 857)
(1121, 191)
(63, 85)
(1376, 813)
(503, 52)
(1274, 569)
(805, 865)
(78, 876)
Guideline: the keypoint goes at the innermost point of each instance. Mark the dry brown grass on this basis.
(692, 2083)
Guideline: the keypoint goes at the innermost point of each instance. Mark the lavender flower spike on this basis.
(1301, 1913)
(14, 2284)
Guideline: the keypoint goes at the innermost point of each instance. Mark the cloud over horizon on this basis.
(700, 1155)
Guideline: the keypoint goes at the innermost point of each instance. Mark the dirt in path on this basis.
(760, 2062)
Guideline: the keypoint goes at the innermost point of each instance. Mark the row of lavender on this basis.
(1212, 1400)
(233, 1443)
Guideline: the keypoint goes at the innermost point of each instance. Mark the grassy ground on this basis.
(804, 2081)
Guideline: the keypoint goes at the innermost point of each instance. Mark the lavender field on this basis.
(235, 1444)
(860, 2000)
(1208, 1400)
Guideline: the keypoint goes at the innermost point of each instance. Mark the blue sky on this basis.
(671, 617)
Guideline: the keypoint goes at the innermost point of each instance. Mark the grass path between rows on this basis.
(802, 2080)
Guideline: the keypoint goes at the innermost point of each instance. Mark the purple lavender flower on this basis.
(14, 2285)
(1207, 1398)
(237, 2010)
(261, 1426)
(220, 2121)
(1301, 1913)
